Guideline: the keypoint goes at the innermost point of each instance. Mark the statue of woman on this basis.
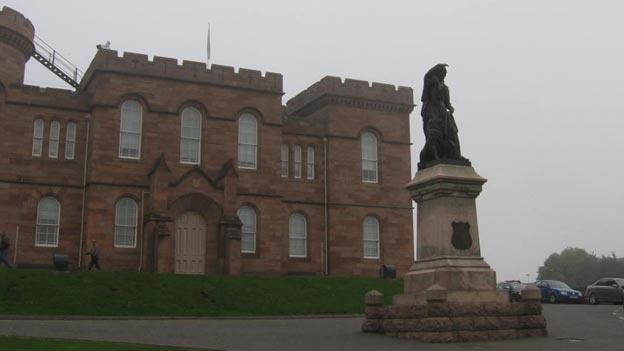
(441, 141)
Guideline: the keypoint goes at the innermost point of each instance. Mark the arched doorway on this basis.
(190, 244)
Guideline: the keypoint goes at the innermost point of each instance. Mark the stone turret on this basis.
(16, 45)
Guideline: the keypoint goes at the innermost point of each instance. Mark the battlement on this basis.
(168, 68)
(15, 21)
(351, 88)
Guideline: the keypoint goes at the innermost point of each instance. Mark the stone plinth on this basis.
(450, 291)
(448, 250)
(443, 321)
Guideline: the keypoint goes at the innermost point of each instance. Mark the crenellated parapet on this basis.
(358, 93)
(16, 31)
(16, 45)
(190, 71)
(15, 21)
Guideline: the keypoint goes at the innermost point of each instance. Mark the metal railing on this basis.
(57, 63)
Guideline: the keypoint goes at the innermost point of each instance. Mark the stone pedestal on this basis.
(450, 291)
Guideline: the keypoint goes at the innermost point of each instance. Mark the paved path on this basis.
(595, 327)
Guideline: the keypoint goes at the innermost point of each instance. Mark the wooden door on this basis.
(190, 244)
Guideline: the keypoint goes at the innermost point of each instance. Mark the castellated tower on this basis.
(16, 45)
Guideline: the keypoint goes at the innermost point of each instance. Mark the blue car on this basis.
(554, 291)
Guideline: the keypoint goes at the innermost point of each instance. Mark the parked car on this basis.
(554, 291)
(513, 287)
(606, 290)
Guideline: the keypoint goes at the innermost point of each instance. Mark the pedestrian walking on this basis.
(94, 252)
(4, 250)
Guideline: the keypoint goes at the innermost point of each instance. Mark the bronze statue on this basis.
(441, 141)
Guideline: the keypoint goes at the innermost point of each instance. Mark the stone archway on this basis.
(196, 241)
(190, 244)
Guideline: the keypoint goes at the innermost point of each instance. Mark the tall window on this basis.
(125, 222)
(130, 130)
(369, 157)
(247, 216)
(48, 218)
(190, 140)
(70, 141)
(310, 162)
(297, 161)
(37, 137)
(247, 141)
(297, 235)
(284, 158)
(55, 130)
(371, 237)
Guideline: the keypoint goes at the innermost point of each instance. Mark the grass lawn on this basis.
(34, 344)
(43, 292)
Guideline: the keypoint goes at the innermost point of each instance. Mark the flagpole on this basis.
(208, 46)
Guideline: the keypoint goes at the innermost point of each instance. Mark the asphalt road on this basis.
(571, 327)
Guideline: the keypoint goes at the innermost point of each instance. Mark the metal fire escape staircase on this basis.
(56, 63)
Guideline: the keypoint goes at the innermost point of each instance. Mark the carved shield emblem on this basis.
(461, 239)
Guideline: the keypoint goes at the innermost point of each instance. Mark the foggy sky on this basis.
(536, 87)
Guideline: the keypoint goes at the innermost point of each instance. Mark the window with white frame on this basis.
(37, 137)
(371, 237)
(190, 139)
(70, 141)
(297, 235)
(247, 141)
(310, 162)
(369, 157)
(297, 161)
(125, 222)
(130, 130)
(284, 158)
(53, 144)
(247, 215)
(48, 219)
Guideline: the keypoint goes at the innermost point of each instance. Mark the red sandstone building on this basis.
(189, 169)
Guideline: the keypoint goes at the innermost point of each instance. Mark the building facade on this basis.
(189, 169)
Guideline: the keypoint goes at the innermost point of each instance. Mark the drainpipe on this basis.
(326, 208)
(84, 191)
(142, 229)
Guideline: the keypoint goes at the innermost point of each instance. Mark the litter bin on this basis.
(387, 272)
(61, 262)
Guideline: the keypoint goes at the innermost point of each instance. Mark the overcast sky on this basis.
(536, 86)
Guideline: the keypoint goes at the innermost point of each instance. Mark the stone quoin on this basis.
(190, 168)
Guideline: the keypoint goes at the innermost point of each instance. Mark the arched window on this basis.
(247, 215)
(125, 222)
(247, 141)
(48, 218)
(190, 139)
(371, 237)
(70, 141)
(297, 235)
(284, 157)
(369, 157)
(297, 161)
(37, 138)
(310, 162)
(130, 130)
(53, 144)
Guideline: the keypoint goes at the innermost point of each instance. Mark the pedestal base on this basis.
(450, 279)
(457, 321)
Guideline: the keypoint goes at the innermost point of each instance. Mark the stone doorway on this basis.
(190, 244)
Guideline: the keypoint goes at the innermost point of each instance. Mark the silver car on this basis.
(606, 290)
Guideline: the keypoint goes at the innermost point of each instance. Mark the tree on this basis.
(573, 266)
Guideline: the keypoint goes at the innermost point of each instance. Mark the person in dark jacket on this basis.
(4, 249)
(94, 252)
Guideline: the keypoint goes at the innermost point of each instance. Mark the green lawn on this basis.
(42, 292)
(35, 344)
